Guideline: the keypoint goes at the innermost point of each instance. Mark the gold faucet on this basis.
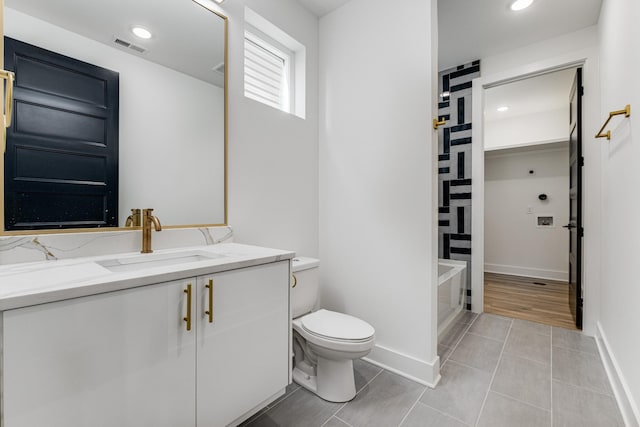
(147, 219)
(133, 220)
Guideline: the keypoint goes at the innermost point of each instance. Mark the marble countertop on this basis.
(27, 284)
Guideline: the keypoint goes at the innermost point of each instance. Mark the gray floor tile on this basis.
(580, 369)
(478, 352)
(301, 408)
(384, 402)
(491, 326)
(453, 335)
(574, 341)
(335, 422)
(254, 417)
(528, 326)
(467, 317)
(364, 372)
(574, 406)
(460, 392)
(423, 416)
(529, 345)
(444, 352)
(524, 380)
(501, 411)
(290, 389)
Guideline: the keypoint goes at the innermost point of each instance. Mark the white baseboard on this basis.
(629, 409)
(537, 273)
(407, 366)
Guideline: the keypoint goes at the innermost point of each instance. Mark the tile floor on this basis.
(496, 371)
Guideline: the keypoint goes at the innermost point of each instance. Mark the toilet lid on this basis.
(337, 326)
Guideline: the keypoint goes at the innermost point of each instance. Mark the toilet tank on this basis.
(305, 292)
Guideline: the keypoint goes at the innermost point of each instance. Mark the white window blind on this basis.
(266, 73)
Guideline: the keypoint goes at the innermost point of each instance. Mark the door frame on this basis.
(480, 85)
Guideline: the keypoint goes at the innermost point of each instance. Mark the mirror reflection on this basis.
(170, 118)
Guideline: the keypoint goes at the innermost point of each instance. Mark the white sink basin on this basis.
(143, 262)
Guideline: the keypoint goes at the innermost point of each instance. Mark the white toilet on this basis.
(325, 343)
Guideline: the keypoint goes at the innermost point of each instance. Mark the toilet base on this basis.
(334, 381)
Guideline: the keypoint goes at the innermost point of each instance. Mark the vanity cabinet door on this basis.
(243, 350)
(118, 359)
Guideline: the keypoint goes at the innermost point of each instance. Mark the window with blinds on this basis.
(267, 72)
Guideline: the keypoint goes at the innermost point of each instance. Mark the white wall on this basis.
(152, 129)
(578, 47)
(526, 129)
(620, 292)
(377, 209)
(514, 244)
(586, 38)
(273, 156)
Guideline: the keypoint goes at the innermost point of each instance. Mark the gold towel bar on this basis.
(626, 112)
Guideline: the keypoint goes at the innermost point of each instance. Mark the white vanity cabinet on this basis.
(116, 359)
(126, 358)
(243, 354)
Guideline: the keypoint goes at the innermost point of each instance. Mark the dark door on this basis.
(576, 163)
(61, 161)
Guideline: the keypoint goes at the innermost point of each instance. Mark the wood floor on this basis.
(537, 300)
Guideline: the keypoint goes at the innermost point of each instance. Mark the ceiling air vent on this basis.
(122, 42)
(126, 44)
(138, 49)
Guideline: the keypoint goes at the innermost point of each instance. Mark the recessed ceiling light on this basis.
(218, 1)
(521, 4)
(502, 109)
(445, 94)
(143, 33)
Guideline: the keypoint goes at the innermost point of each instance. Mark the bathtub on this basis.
(452, 277)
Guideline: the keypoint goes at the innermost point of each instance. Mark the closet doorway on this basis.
(531, 199)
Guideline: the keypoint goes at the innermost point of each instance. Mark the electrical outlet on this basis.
(529, 209)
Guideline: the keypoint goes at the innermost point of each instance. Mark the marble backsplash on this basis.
(18, 249)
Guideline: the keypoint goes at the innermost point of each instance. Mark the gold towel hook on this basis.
(8, 105)
(8, 98)
(437, 123)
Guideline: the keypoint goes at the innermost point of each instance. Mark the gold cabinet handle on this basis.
(437, 123)
(188, 318)
(8, 99)
(210, 311)
(295, 281)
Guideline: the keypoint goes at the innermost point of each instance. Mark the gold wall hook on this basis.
(437, 123)
(627, 113)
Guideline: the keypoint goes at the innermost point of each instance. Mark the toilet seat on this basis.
(319, 327)
(337, 326)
